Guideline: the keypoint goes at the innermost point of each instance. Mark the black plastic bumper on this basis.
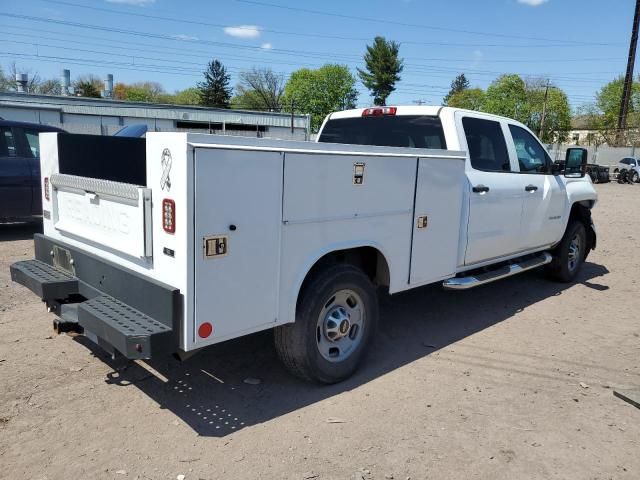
(122, 309)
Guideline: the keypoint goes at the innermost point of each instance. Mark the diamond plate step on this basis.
(48, 282)
(128, 330)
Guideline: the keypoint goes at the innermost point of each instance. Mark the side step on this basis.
(48, 282)
(128, 330)
(471, 281)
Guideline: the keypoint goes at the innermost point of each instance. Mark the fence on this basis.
(601, 155)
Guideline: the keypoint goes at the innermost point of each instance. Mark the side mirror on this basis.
(576, 162)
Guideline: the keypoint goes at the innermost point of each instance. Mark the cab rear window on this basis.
(413, 131)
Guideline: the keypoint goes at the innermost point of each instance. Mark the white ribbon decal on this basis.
(165, 180)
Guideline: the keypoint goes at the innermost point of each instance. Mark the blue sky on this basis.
(578, 44)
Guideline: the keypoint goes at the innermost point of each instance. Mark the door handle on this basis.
(531, 188)
(480, 189)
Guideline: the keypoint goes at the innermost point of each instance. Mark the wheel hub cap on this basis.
(336, 324)
(340, 325)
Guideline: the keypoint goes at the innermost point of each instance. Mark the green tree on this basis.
(49, 87)
(259, 89)
(609, 98)
(320, 92)
(507, 96)
(88, 86)
(188, 96)
(469, 98)
(215, 90)
(249, 100)
(557, 121)
(459, 84)
(383, 68)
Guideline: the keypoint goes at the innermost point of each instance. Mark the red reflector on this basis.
(47, 193)
(168, 215)
(205, 330)
(379, 111)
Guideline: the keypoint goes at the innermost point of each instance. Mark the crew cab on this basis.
(184, 240)
(20, 195)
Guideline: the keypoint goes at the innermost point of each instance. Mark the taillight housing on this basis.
(168, 215)
(47, 190)
(379, 111)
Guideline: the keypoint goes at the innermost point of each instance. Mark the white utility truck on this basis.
(178, 241)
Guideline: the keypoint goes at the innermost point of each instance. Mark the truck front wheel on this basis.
(569, 255)
(336, 318)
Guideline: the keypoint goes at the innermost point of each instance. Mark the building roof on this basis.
(118, 108)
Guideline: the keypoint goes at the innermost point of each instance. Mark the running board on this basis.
(471, 281)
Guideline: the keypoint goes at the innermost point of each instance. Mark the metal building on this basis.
(105, 116)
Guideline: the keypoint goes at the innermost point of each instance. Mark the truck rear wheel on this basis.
(336, 318)
(569, 255)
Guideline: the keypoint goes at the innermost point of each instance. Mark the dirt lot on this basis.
(513, 380)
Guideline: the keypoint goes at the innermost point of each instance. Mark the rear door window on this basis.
(486, 144)
(33, 143)
(413, 131)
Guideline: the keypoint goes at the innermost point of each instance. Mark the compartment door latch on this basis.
(215, 246)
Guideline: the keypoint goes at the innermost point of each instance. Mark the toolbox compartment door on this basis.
(115, 216)
(238, 222)
(436, 223)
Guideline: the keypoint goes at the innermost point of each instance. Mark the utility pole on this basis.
(293, 104)
(544, 108)
(628, 79)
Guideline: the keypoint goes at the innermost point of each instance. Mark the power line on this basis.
(303, 34)
(289, 52)
(405, 24)
(416, 67)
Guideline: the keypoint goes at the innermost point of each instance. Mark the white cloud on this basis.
(243, 31)
(266, 46)
(182, 36)
(533, 3)
(137, 3)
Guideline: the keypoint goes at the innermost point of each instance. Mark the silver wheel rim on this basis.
(340, 326)
(575, 248)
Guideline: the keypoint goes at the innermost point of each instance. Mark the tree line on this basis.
(332, 87)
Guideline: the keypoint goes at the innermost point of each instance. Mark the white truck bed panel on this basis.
(321, 187)
(238, 197)
(114, 215)
(439, 196)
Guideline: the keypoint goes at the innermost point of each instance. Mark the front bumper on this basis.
(119, 309)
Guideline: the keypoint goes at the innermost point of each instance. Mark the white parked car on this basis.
(632, 165)
(177, 241)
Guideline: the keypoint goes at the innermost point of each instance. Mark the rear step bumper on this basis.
(471, 281)
(117, 308)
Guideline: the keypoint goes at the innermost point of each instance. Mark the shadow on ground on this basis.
(10, 232)
(208, 393)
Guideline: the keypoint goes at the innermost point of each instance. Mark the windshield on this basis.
(414, 131)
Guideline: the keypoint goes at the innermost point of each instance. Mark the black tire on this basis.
(298, 344)
(635, 177)
(566, 262)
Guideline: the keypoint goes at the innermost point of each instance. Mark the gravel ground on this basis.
(513, 380)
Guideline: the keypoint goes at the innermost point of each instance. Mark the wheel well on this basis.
(368, 259)
(581, 211)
